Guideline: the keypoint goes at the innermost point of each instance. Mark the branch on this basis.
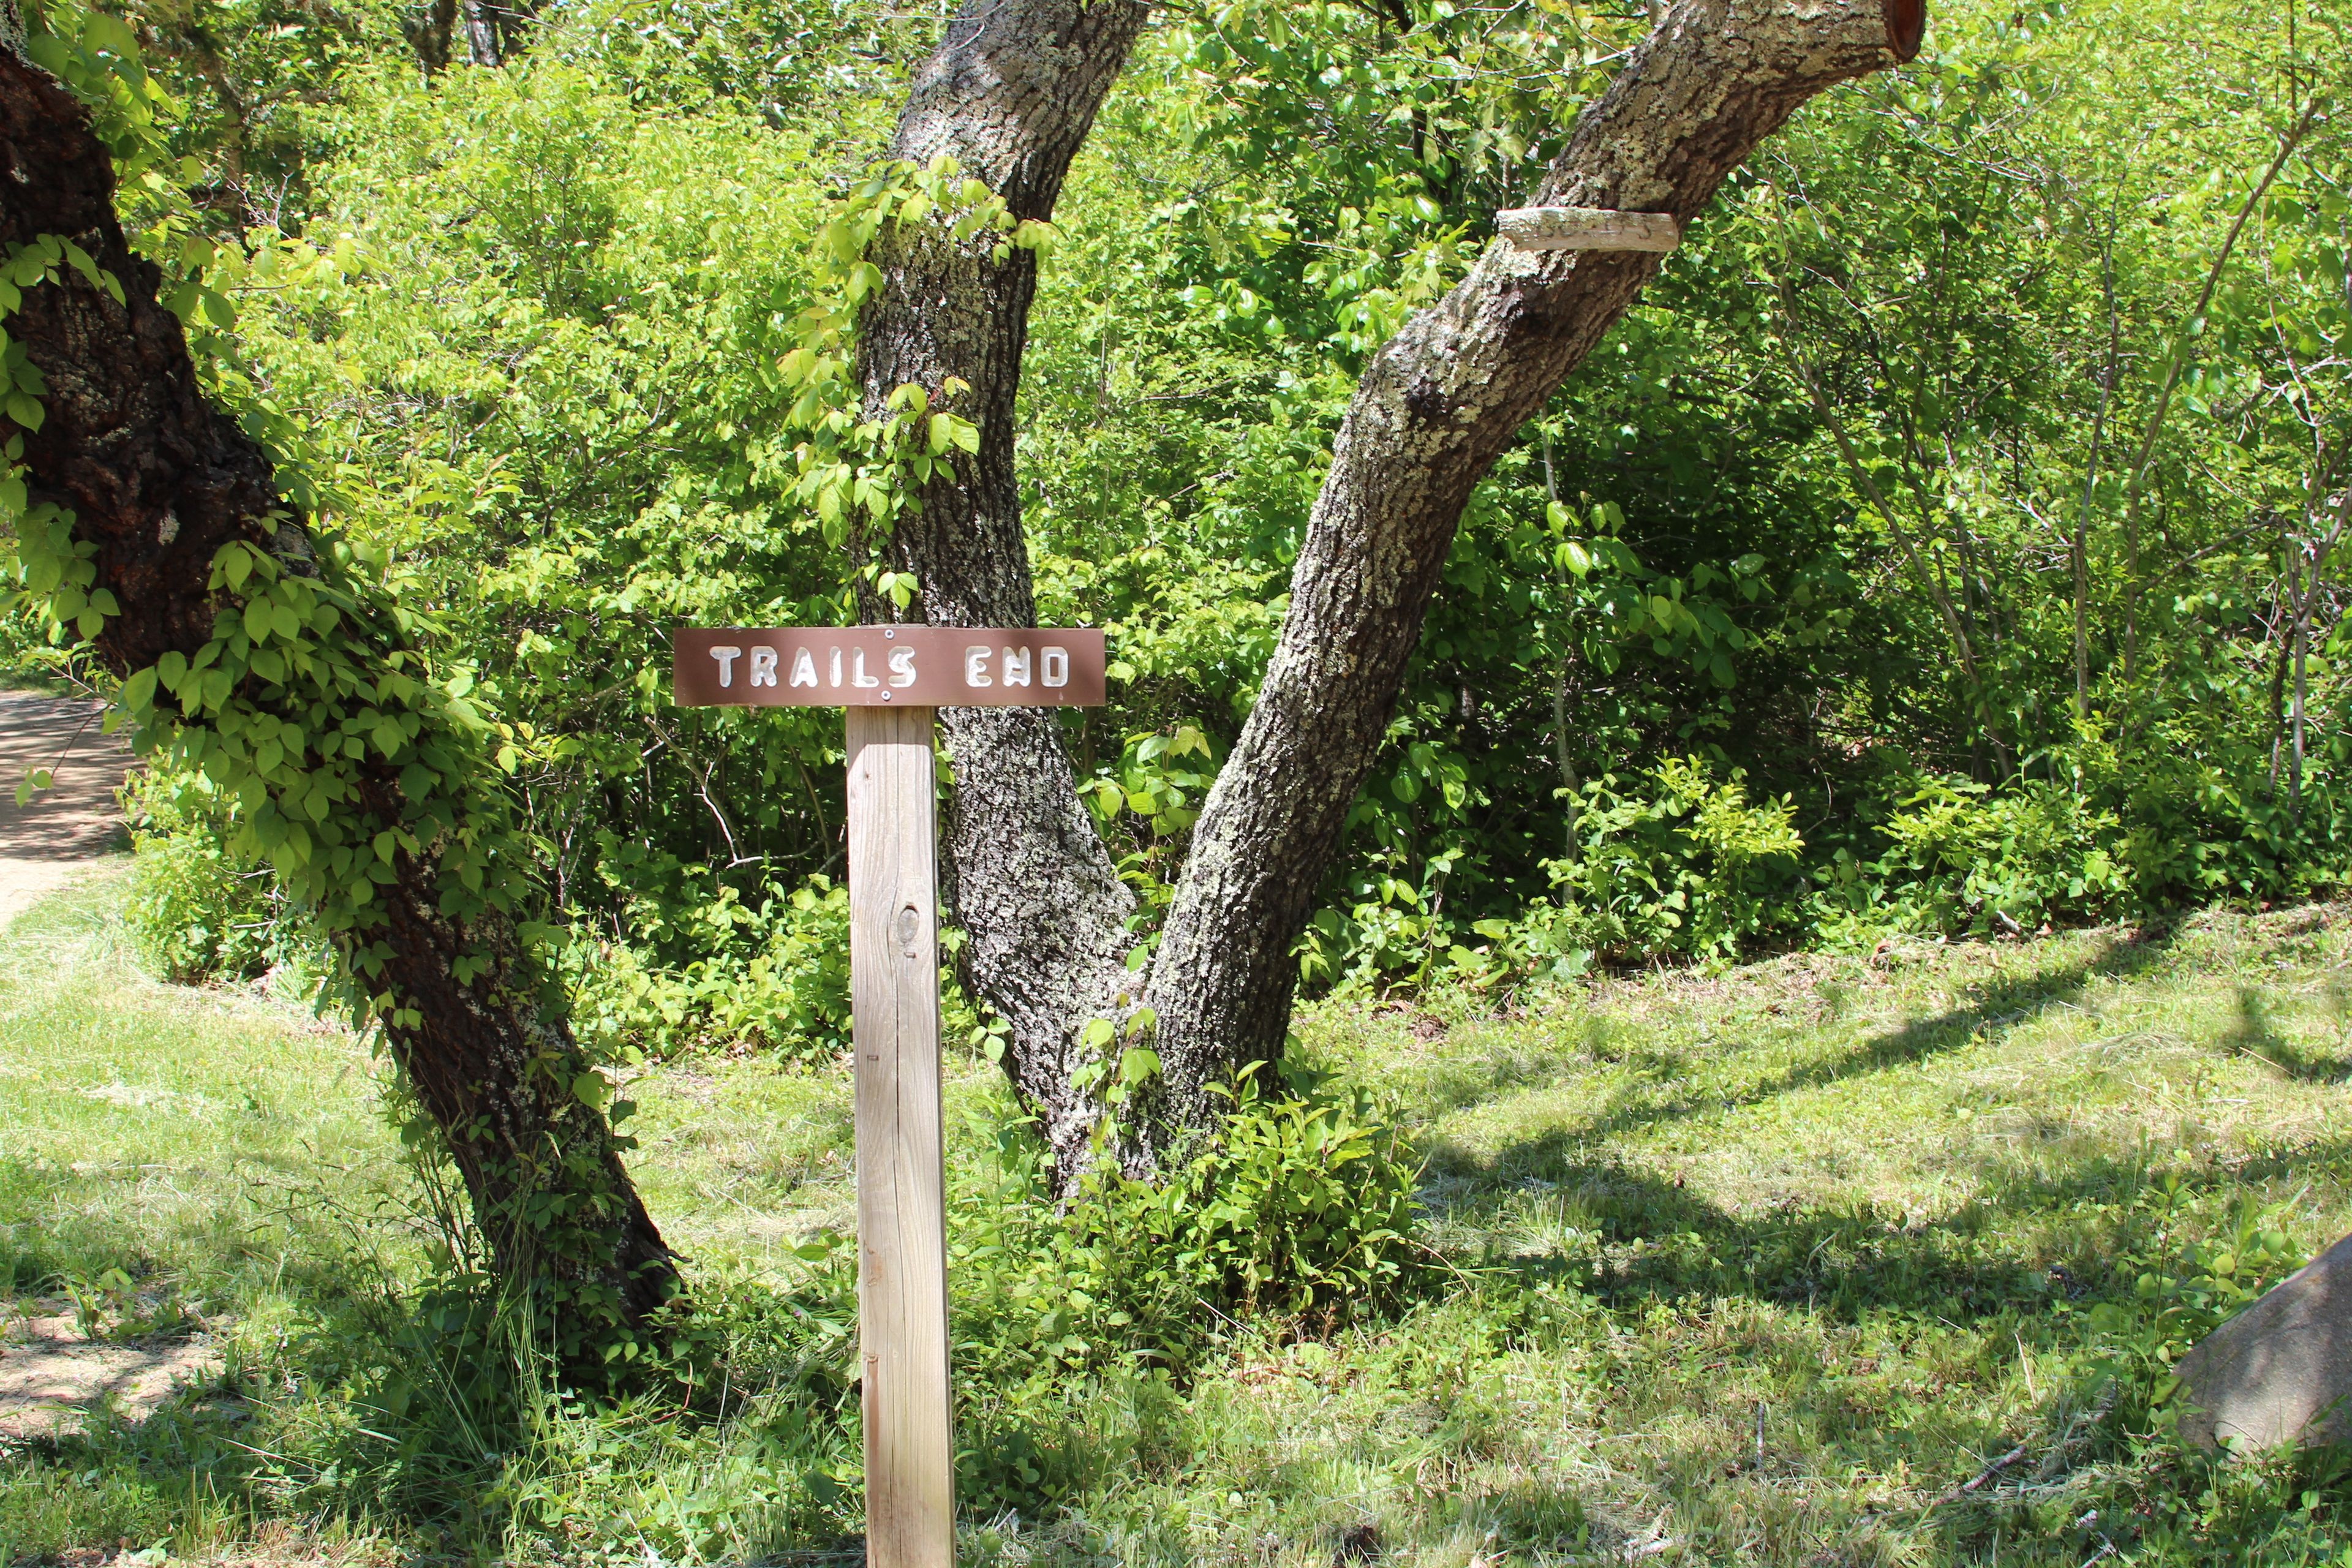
(2136, 487)
(1436, 407)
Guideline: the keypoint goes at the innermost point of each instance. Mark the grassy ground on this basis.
(1749, 1268)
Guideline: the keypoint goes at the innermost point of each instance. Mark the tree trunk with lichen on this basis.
(1436, 406)
(157, 480)
(1011, 93)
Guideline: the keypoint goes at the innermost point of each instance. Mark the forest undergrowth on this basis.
(1761, 1264)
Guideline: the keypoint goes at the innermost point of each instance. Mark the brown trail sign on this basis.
(892, 680)
(914, 666)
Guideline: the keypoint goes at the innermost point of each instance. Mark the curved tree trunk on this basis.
(158, 481)
(1011, 93)
(1436, 406)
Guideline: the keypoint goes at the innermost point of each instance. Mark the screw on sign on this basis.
(892, 680)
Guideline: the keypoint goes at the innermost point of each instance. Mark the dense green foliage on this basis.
(1718, 661)
(1766, 632)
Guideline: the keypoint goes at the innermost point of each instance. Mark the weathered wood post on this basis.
(892, 680)
(902, 1265)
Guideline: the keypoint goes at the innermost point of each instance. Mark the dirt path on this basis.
(50, 1373)
(44, 842)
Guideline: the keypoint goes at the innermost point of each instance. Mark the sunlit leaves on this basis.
(855, 471)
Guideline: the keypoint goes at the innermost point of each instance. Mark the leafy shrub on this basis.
(1301, 1206)
(1301, 1201)
(1694, 869)
(2183, 1287)
(196, 912)
(1691, 866)
(775, 976)
(1963, 856)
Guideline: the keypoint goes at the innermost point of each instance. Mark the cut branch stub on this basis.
(1588, 228)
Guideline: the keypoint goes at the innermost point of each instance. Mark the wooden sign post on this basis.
(892, 680)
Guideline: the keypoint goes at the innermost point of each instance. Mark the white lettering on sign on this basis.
(1012, 667)
(928, 666)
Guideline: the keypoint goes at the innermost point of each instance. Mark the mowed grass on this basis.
(1749, 1267)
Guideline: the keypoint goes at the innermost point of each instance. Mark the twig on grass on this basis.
(1982, 1475)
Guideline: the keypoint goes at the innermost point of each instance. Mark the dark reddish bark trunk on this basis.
(158, 480)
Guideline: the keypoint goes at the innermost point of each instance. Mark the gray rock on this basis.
(2279, 1372)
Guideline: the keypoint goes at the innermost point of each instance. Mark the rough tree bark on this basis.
(1011, 93)
(1435, 409)
(159, 481)
(429, 31)
(495, 32)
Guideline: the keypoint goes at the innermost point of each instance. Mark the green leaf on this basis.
(593, 1089)
(25, 410)
(100, 31)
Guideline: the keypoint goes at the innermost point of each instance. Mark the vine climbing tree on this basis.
(287, 668)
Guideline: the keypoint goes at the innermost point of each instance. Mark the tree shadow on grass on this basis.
(2008, 1002)
(2049, 1220)
(2040, 1230)
(2254, 1034)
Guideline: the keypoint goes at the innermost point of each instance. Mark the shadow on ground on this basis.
(1659, 1240)
(2008, 1002)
